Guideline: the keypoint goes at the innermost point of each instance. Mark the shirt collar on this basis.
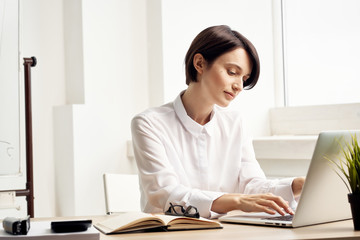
(189, 124)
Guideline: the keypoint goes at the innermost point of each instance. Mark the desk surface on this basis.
(335, 230)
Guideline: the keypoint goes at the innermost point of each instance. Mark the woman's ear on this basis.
(199, 63)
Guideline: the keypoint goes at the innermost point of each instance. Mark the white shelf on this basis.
(284, 156)
(285, 147)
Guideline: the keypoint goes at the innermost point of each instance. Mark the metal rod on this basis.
(283, 33)
(29, 192)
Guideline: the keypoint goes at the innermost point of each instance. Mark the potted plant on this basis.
(349, 166)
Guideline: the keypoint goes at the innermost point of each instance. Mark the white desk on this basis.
(336, 230)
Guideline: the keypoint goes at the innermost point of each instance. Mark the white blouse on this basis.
(183, 162)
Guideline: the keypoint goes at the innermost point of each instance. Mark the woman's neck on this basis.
(197, 107)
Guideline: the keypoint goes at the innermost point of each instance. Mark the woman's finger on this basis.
(271, 204)
(280, 202)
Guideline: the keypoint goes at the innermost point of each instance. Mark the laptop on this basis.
(324, 194)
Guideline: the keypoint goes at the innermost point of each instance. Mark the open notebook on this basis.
(139, 221)
(324, 195)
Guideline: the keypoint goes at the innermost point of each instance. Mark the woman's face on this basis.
(223, 80)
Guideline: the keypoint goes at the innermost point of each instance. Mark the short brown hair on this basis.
(214, 42)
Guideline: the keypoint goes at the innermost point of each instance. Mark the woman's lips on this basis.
(230, 95)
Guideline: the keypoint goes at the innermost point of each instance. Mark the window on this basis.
(321, 51)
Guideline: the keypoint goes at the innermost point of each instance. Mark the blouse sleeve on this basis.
(252, 178)
(159, 181)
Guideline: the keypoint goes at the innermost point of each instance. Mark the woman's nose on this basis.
(237, 86)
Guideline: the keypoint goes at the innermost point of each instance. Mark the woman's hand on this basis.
(297, 186)
(268, 203)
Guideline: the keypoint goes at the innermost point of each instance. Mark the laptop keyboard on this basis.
(281, 218)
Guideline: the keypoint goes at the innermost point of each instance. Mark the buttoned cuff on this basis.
(283, 188)
(203, 201)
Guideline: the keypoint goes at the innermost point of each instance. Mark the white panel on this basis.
(12, 137)
(9, 88)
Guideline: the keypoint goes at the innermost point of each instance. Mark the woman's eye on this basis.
(232, 73)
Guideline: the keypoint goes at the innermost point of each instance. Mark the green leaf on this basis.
(348, 164)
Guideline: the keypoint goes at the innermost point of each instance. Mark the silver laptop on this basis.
(324, 195)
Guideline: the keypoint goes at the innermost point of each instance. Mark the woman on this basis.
(191, 152)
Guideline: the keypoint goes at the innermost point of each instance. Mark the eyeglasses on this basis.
(178, 210)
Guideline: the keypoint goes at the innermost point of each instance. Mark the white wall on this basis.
(81, 128)
(93, 135)
(114, 89)
(43, 37)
